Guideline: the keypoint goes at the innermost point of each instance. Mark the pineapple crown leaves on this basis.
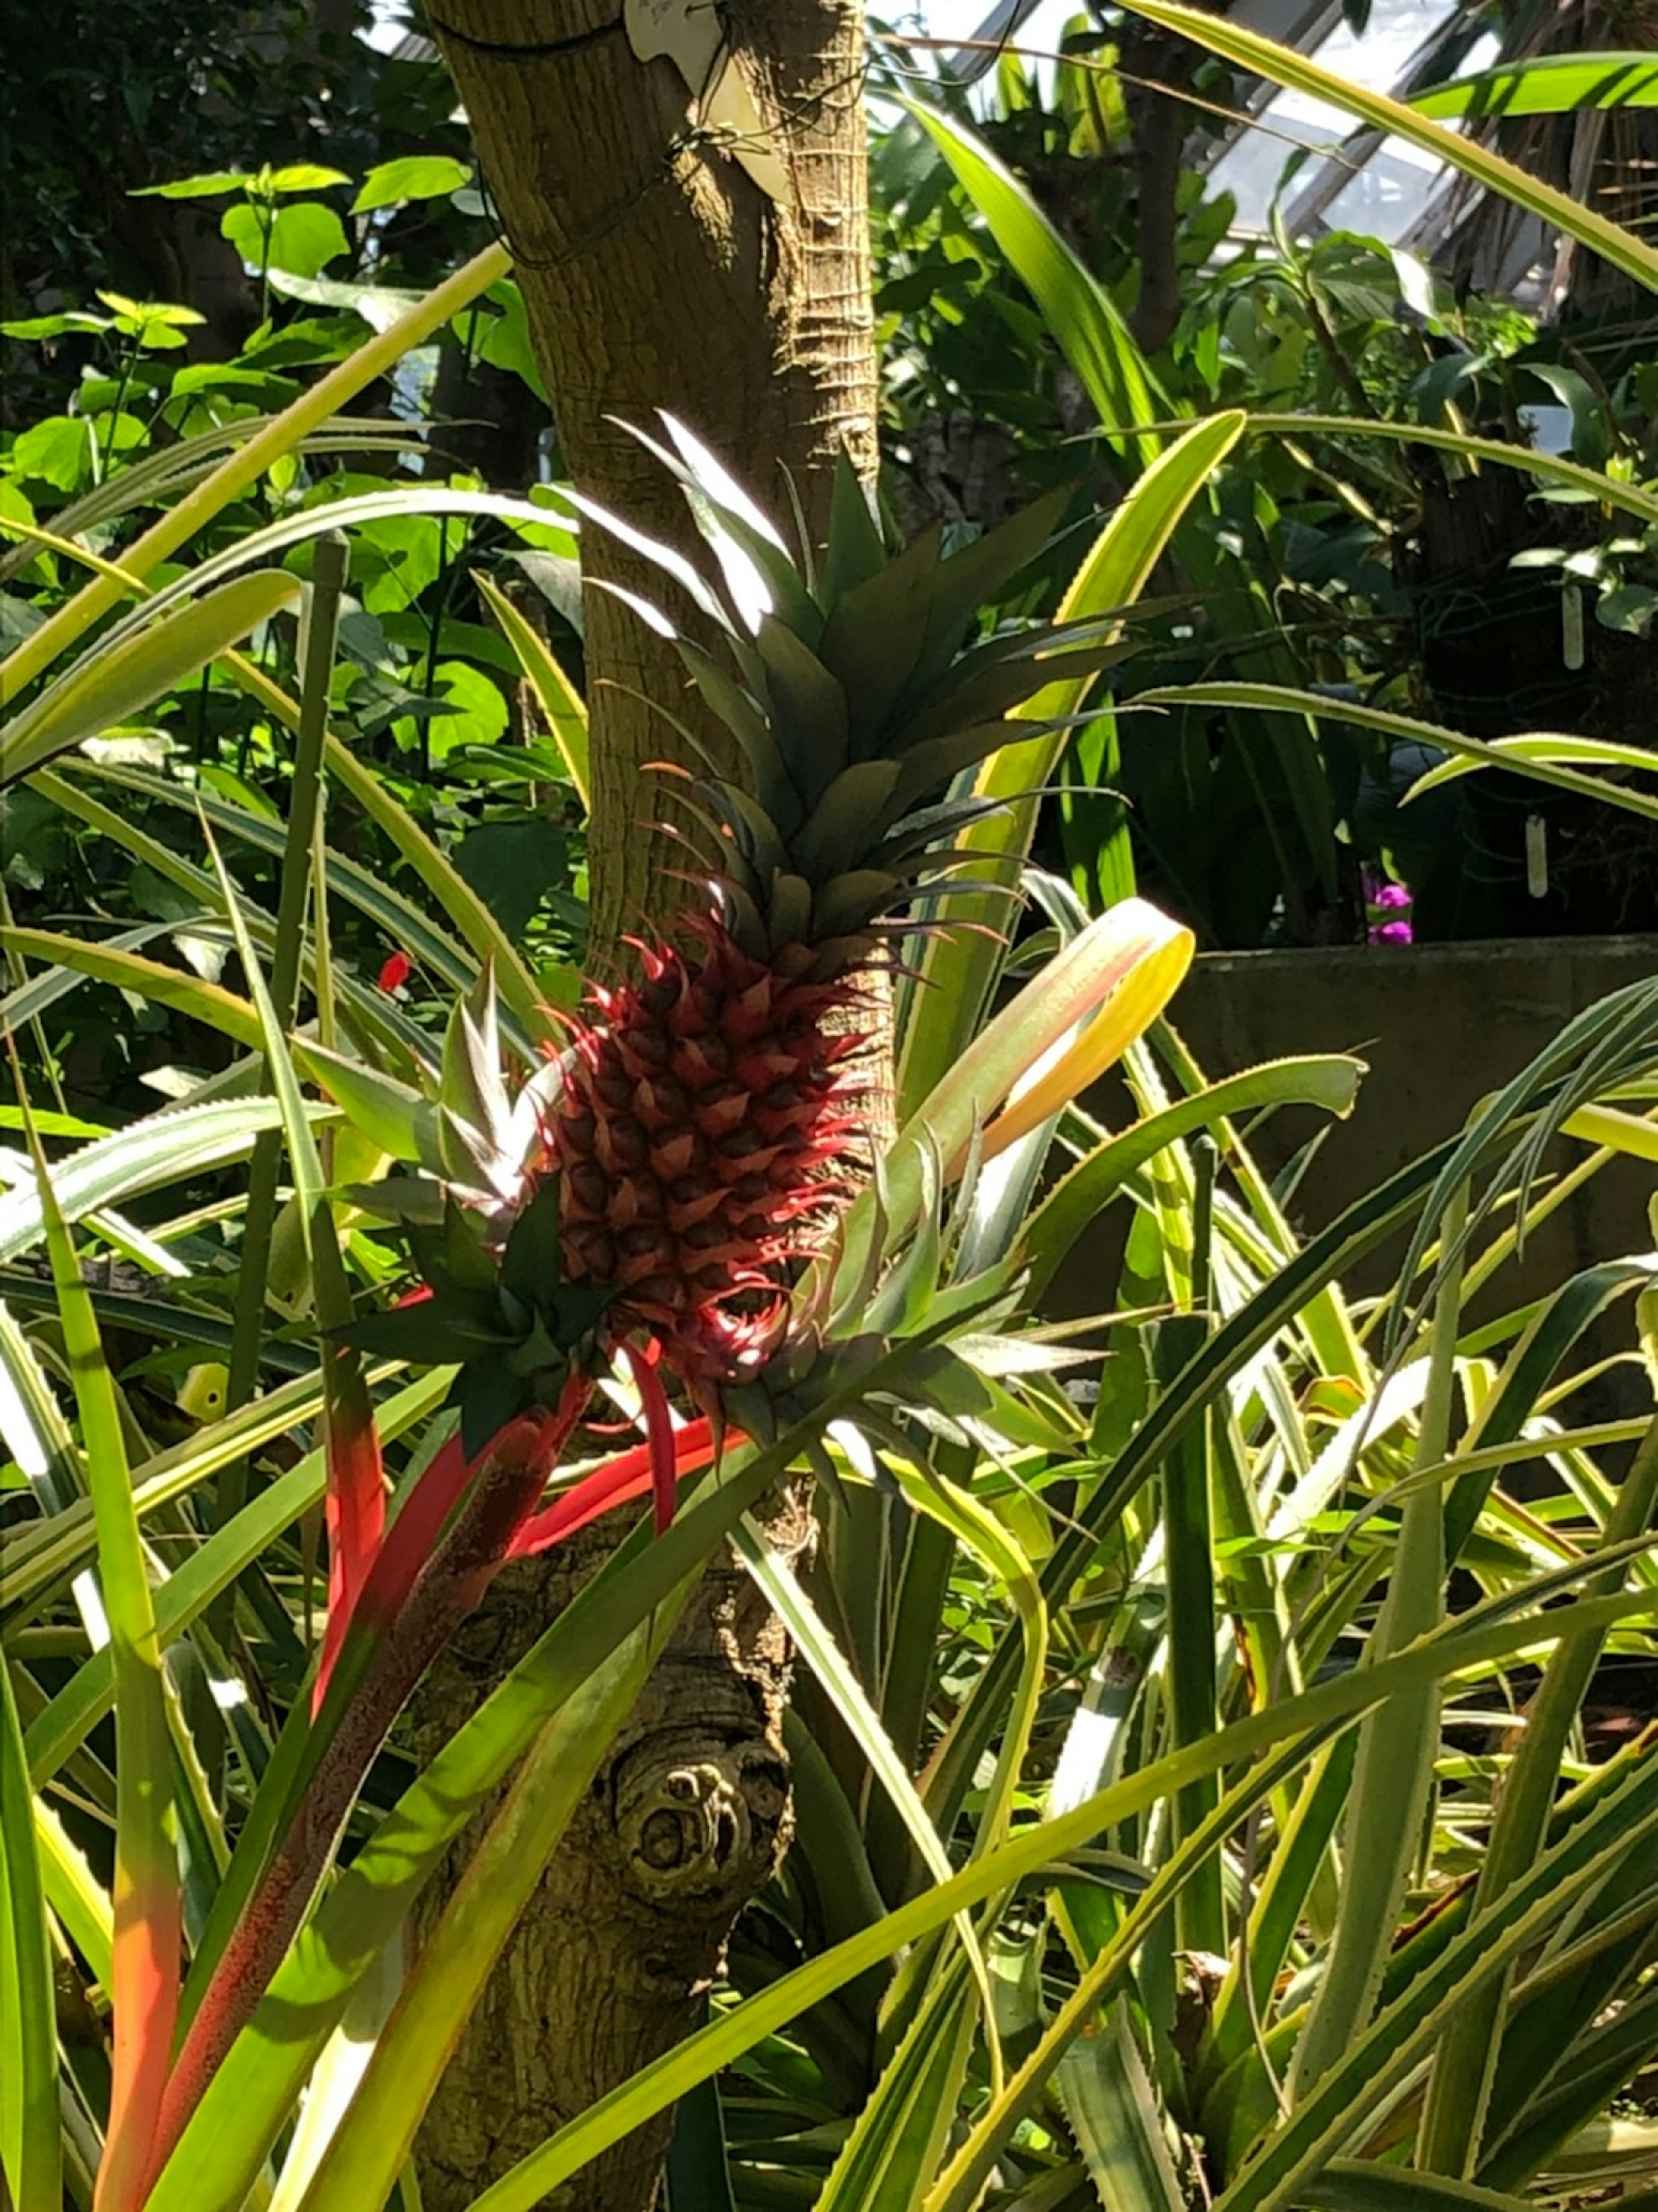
(864, 662)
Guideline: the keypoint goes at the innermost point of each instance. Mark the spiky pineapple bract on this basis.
(711, 1110)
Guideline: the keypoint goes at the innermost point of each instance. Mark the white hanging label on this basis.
(690, 34)
(1537, 856)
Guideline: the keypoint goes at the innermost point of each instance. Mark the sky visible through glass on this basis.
(1385, 198)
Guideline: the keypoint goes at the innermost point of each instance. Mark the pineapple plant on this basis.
(713, 1109)
(656, 1190)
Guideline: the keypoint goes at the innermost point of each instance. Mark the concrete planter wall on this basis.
(1441, 1026)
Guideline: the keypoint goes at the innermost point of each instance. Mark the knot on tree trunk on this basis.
(691, 1831)
(686, 1818)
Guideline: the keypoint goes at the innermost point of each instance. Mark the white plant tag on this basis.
(690, 34)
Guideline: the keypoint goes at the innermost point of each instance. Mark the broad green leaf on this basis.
(299, 176)
(1278, 64)
(393, 1114)
(111, 684)
(1550, 84)
(301, 238)
(208, 185)
(414, 177)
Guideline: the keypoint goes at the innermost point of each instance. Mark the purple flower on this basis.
(1393, 932)
(1390, 897)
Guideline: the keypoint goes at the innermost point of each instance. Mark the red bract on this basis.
(395, 971)
(355, 1509)
(617, 1483)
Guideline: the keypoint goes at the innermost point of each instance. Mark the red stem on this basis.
(613, 1485)
(512, 1475)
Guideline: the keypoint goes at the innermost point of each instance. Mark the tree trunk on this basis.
(614, 1956)
(656, 274)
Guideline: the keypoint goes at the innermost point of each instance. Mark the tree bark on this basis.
(656, 274)
(613, 1959)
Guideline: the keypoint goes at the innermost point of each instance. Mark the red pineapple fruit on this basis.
(711, 1114)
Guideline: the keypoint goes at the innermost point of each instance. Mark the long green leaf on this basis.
(1082, 314)
(30, 2151)
(1361, 2082)
(34, 1431)
(1106, 2096)
(113, 682)
(210, 1569)
(1301, 1723)
(166, 1147)
(558, 698)
(147, 979)
(1330, 1081)
(181, 519)
(39, 1557)
(378, 2130)
(1537, 760)
(1459, 2089)
(1278, 64)
(1349, 2185)
(148, 1899)
(1552, 84)
(893, 2150)
(1554, 750)
(404, 924)
(1393, 1774)
(1279, 1302)
(959, 967)
(253, 2093)
(1611, 492)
